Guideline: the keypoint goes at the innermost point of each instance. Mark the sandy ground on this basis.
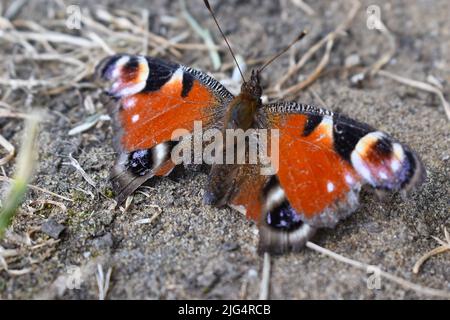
(194, 251)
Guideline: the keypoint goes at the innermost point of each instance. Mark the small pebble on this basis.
(52, 228)
(252, 273)
(352, 60)
(104, 242)
(357, 80)
(230, 246)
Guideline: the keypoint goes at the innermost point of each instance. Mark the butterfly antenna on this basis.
(225, 38)
(298, 38)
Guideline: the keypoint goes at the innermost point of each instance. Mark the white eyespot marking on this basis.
(398, 157)
(129, 90)
(302, 234)
(159, 153)
(134, 85)
(129, 103)
(144, 71)
(365, 143)
(395, 165)
(361, 168)
(349, 179)
(275, 197)
(140, 153)
(382, 175)
(330, 186)
(238, 208)
(325, 128)
(398, 151)
(118, 66)
(135, 118)
(177, 77)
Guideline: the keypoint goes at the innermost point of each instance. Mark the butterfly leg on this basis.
(220, 185)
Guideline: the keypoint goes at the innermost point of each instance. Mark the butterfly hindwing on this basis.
(325, 159)
(154, 99)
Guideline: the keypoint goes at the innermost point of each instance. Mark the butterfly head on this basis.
(252, 88)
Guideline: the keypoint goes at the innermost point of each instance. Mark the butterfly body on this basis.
(242, 109)
(324, 158)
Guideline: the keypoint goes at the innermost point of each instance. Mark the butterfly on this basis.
(325, 158)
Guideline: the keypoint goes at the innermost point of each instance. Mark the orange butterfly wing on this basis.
(324, 159)
(155, 98)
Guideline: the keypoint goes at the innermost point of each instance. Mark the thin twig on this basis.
(265, 280)
(89, 123)
(387, 56)
(9, 148)
(204, 34)
(311, 77)
(304, 6)
(103, 281)
(74, 163)
(145, 27)
(61, 205)
(309, 54)
(444, 247)
(419, 85)
(9, 180)
(152, 218)
(363, 266)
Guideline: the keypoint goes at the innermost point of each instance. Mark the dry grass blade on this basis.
(42, 203)
(74, 163)
(428, 255)
(12, 114)
(363, 266)
(9, 180)
(204, 34)
(25, 165)
(304, 6)
(88, 123)
(124, 23)
(145, 27)
(13, 254)
(152, 218)
(19, 272)
(444, 247)
(265, 280)
(128, 203)
(385, 58)
(62, 80)
(103, 281)
(9, 148)
(313, 76)
(55, 37)
(14, 8)
(310, 53)
(97, 39)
